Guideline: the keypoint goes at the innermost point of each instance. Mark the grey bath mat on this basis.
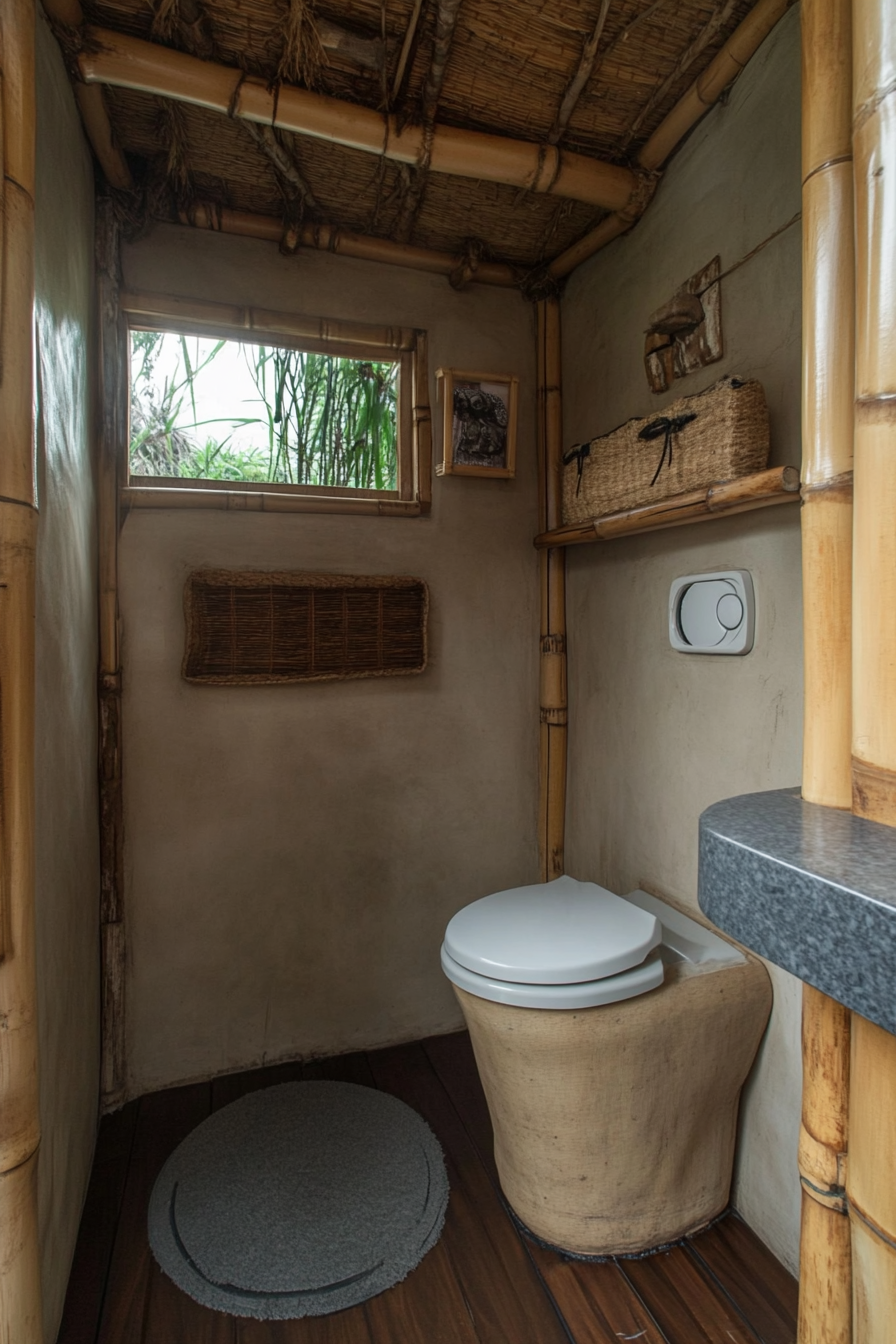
(299, 1200)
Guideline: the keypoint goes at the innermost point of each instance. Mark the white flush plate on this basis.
(712, 613)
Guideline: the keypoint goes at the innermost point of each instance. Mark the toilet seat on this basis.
(585, 994)
(560, 944)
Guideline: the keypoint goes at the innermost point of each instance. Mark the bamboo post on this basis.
(113, 383)
(872, 1100)
(20, 1302)
(422, 427)
(552, 569)
(825, 1308)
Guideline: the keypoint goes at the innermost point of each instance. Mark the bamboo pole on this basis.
(874, 661)
(128, 62)
(872, 1099)
(778, 485)
(700, 97)
(717, 20)
(260, 501)
(92, 106)
(412, 197)
(825, 1307)
(422, 418)
(870, 1180)
(709, 86)
(113, 383)
(20, 1302)
(326, 238)
(404, 54)
(552, 573)
(828, 392)
(362, 338)
(583, 71)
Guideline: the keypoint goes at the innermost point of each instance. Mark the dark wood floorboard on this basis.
(490, 1260)
(734, 1263)
(597, 1302)
(99, 1223)
(685, 1302)
(344, 1327)
(751, 1276)
(163, 1120)
(483, 1283)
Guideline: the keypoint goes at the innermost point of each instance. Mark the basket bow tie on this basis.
(578, 452)
(667, 427)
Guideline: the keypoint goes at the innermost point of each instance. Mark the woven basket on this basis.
(246, 628)
(718, 435)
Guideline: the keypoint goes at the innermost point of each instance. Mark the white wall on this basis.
(655, 735)
(67, 828)
(293, 853)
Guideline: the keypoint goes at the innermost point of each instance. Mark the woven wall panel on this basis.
(253, 629)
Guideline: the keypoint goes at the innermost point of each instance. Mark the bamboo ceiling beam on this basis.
(581, 77)
(719, 17)
(700, 97)
(708, 88)
(98, 129)
(405, 53)
(446, 21)
(92, 107)
(327, 238)
(130, 63)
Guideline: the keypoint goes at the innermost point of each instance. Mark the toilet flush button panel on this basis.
(712, 613)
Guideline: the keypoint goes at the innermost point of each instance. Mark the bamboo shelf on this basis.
(778, 485)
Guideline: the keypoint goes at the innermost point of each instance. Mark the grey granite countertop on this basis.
(810, 888)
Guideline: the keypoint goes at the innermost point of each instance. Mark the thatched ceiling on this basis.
(506, 70)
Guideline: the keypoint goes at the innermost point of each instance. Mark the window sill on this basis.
(386, 504)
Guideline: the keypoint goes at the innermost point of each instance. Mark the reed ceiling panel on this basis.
(508, 68)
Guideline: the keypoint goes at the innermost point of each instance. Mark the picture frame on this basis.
(479, 421)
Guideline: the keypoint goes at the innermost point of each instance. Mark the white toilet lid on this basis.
(555, 933)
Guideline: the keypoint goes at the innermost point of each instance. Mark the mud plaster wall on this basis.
(294, 853)
(67, 845)
(656, 735)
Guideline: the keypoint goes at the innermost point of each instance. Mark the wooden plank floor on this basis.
(483, 1283)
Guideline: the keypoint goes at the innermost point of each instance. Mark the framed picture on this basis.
(479, 424)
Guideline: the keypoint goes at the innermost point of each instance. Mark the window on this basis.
(243, 408)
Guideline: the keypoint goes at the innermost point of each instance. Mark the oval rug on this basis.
(299, 1200)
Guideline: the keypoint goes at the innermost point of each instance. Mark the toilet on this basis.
(613, 1036)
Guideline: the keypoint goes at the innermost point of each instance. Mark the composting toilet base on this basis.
(615, 1125)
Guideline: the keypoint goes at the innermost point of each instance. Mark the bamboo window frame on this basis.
(405, 346)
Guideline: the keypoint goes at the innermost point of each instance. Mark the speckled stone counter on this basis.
(812, 889)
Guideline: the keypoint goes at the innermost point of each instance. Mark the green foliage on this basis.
(324, 420)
